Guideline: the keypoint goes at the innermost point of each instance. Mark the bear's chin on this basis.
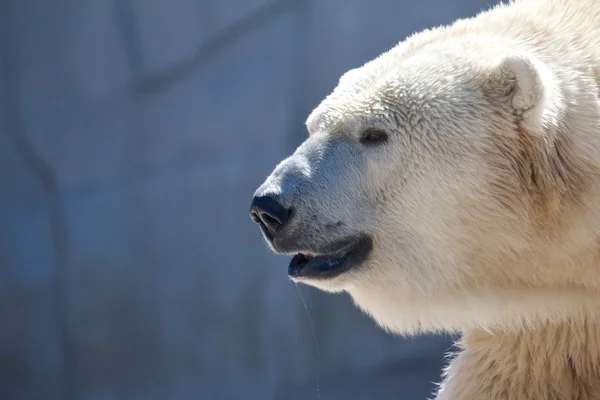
(334, 285)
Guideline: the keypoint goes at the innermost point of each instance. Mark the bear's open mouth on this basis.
(323, 266)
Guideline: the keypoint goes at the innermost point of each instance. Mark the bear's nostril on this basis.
(254, 216)
(269, 212)
(268, 220)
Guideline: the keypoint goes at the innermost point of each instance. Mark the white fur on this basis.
(484, 205)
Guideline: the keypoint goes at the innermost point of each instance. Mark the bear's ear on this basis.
(525, 83)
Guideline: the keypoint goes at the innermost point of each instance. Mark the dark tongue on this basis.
(298, 260)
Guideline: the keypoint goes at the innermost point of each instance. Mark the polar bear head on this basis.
(437, 186)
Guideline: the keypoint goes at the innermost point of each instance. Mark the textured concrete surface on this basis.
(132, 135)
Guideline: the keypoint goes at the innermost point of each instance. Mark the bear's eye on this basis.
(373, 137)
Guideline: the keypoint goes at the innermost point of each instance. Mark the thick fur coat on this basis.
(469, 156)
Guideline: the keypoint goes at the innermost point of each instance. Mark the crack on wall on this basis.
(43, 171)
(213, 46)
(124, 14)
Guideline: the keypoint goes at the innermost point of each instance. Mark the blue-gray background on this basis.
(132, 135)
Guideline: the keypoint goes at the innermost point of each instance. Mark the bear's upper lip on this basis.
(351, 252)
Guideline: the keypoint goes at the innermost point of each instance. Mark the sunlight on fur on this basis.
(473, 204)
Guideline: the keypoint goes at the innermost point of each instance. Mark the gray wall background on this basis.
(132, 135)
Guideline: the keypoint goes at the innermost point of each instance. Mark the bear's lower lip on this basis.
(332, 265)
(320, 266)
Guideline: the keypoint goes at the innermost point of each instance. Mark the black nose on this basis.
(269, 212)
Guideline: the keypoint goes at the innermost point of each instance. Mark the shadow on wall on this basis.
(133, 136)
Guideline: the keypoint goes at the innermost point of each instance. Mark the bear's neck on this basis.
(557, 361)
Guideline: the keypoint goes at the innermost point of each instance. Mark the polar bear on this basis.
(453, 184)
